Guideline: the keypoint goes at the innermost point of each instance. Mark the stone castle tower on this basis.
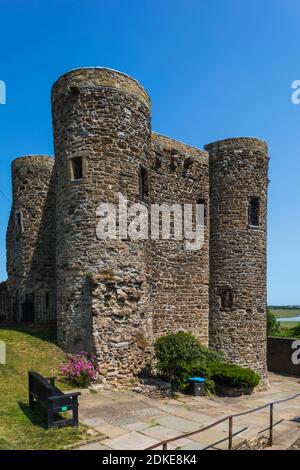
(31, 239)
(113, 297)
(238, 203)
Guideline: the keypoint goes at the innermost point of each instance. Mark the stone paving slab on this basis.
(160, 432)
(111, 431)
(211, 437)
(180, 443)
(172, 408)
(200, 418)
(193, 446)
(93, 421)
(257, 420)
(180, 424)
(251, 432)
(130, 441)
(138, 426)
(223, 445)
(133, 421)
(236, 427)
(93, 446)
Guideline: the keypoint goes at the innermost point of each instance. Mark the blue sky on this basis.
(214, 69)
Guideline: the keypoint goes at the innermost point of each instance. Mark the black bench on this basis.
(43, 390)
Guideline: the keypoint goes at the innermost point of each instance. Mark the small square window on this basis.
(227, 299)
(77, 168)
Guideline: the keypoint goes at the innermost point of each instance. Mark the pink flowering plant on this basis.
(80, 369)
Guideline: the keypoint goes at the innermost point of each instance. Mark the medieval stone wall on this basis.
(102, 285)
(238, 172)
(31, 231)
(179, 277)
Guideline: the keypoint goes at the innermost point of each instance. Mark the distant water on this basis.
(289, 319)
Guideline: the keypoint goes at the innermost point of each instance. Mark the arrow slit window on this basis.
(253, 212)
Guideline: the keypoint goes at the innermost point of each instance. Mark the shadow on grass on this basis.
(46, 333)
(37, 416)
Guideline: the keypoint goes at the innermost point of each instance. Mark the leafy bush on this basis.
(277, 329)
(273, 326)
(80, 369)
(286, 332)
(233, 375)
(180, 356)
(194, 369)
(295, 331)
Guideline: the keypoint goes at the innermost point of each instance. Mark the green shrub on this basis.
(273, 326)
(180, 356)
(287, 332)
(196, 368)
(295, 331)
(233, 375)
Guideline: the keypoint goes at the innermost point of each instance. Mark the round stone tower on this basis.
(31, 239)
(102, 133)
(238, 226)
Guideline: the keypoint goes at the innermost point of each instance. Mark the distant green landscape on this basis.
(285, 312)
(285, 307)
(288, 328)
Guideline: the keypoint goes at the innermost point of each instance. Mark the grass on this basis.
(285, 313)
(287, 325)
(288, 312)
(288, 331)
(20, 427)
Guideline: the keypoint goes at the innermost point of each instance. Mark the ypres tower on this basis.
(114, 297)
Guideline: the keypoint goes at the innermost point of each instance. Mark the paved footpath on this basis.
(132, 421)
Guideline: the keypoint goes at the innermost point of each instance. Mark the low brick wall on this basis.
(284, 355)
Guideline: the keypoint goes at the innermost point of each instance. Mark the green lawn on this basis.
(21, 428)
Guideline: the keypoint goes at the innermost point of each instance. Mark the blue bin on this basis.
(197, 386)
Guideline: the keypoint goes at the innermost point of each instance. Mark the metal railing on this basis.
(229, 418)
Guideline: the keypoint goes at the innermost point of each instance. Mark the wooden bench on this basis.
(42, 390)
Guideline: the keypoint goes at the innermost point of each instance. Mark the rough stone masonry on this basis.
(114, 297)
